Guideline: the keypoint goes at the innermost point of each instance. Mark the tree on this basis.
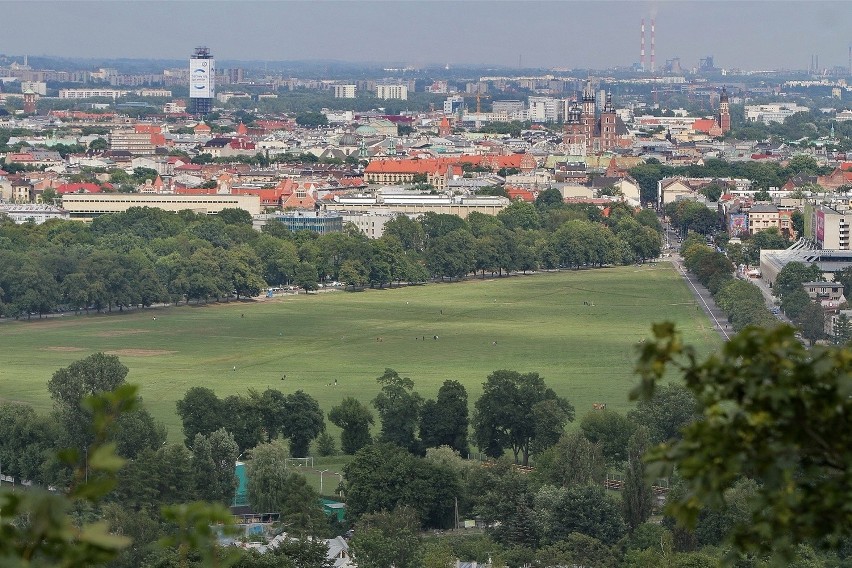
(637, 498)
(385, 476)
(588, 510)
(311, 119)
(844, 277)
(42, 528)
(666, 413)
(795, 302)
(611, 431)
(842, 330)
(811, 320)
(444, 421)
(573, 460)
(354, 419)
(451, 255)
(201, 412)
(272, 488)
(387, 538)
(520, 215)
(792, 276)
(505, 415)
(774, 411)
(398, 406)
(69, 386)
(306, 276)
(243, 421)
(302, 422)
(214, 458)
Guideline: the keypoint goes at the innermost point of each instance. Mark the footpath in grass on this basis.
(578, 329)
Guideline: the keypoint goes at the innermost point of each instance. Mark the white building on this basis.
(399, 92)
(90, 93)
(778, 112)
(453, 104)
(344, 91)
(38, 87)
(37, 213)
(543, 109)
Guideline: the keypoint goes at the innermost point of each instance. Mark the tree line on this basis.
(147, 256)
(764, 174)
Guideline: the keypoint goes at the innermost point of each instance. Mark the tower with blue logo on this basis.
(202, 82)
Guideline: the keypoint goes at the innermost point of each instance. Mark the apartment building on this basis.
(399, 92)
(344, 91)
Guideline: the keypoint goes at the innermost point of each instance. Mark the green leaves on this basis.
(774, 412)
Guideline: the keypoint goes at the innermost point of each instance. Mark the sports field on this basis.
(577, 329)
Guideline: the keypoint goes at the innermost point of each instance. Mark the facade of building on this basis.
(543, 109)
(35, 213)
(314, 221)
(88, 206)
(345, 91)
(399, 92)
(137, 143)
(90, 93)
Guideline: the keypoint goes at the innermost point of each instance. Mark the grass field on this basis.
(528, 323)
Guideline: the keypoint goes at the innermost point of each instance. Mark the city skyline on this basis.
(744, 35)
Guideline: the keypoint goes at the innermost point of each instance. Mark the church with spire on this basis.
(588, 132)
(723, 117)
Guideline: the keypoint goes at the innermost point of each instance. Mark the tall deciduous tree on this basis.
(398, 406)
(68, 386)
(354, 419)
(214, 459)
(303, 421)
(665, 414)
(514, 410)
(273, 488)
(444, 421)
(637, 498)
(573, 460)
(201, 412)
(611, 431)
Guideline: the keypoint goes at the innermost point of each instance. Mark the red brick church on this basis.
(587, 132)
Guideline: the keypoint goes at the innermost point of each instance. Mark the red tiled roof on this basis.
(703, 124)
(79, 188)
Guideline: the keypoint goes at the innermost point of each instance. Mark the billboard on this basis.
(820, 227)
(202, 79)
(738, 224)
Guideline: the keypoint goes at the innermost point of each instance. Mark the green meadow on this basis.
(578, 329)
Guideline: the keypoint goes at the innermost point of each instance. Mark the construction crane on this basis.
(479, 96)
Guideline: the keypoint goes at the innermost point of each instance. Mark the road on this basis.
(704, 298)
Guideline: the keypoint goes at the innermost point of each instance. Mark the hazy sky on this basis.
(750, 35)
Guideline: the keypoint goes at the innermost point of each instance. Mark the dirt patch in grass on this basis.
(63, 349)
(140, 352)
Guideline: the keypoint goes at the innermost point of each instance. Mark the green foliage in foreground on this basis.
(772, 411)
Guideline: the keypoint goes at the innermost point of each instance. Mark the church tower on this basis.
(573, 132)
(724, 118)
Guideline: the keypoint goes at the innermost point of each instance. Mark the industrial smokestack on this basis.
(642, 48)
(653, 36)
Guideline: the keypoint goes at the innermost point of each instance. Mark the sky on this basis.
(756, 35)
